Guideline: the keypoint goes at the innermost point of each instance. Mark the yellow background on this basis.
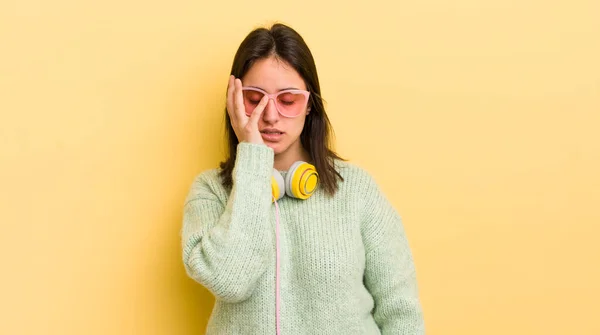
(479, 119)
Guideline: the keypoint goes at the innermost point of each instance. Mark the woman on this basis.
(329, 257)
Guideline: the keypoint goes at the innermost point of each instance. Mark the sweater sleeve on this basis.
(390, 272)
(227, 246)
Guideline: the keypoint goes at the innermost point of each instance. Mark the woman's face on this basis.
(273, 75)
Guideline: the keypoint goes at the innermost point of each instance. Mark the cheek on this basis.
(296, 126)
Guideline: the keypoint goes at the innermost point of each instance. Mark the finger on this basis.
(230, 90)
(240, 110)
(259, 110)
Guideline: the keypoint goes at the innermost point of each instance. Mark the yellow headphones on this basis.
(300, 182)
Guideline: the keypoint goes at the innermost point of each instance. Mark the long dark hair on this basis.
(286, 44)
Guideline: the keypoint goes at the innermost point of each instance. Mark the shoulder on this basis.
(207, 183)
(361, 193)
(354, 174)
(358, 185)
(208, 176)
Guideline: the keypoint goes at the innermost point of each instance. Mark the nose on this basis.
(270, 114)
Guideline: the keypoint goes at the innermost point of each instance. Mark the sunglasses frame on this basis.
(274, 96)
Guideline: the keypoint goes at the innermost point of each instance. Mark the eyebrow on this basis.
(283, 89)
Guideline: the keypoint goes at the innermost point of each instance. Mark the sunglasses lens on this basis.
(291, 104)
(251, 100)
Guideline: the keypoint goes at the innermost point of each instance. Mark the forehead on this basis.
(272, 75)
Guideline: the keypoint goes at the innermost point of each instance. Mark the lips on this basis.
(274, 131)
(271, 134)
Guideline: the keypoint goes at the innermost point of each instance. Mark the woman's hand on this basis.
(246, 128)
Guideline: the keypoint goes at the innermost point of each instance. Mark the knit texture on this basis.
(346, 266)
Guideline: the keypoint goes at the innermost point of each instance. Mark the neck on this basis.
(284, 160)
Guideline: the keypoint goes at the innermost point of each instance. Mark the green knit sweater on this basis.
(346, 266)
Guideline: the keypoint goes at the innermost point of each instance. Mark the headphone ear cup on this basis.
(301, 180)
(277, 185)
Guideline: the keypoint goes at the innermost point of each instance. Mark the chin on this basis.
(277, 147)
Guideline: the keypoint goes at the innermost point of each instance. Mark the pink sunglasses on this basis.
(289, 103)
